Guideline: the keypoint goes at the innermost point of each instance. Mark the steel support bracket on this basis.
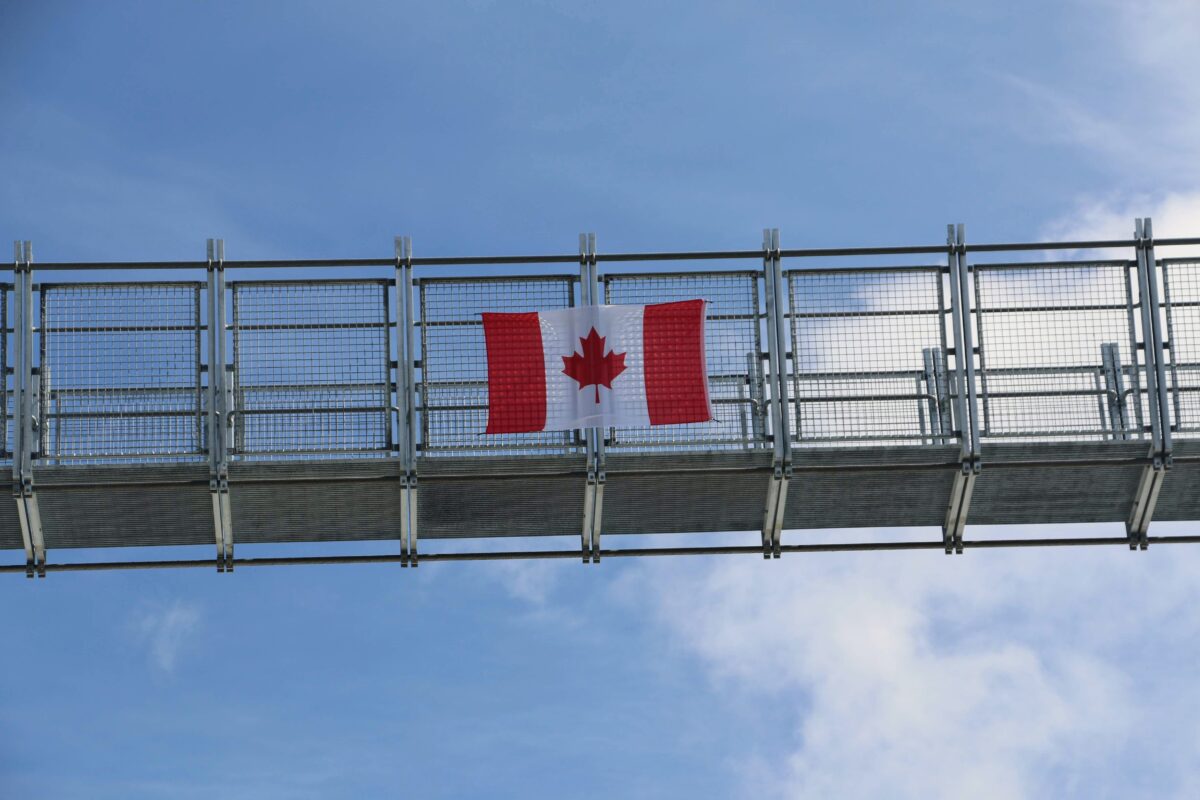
(961, 491)
(965, 400)
(26, 537)
(217, 396)
(30, 519)
(222, 522)
(1137, 527)
(404, 509)
(593, 494)
(25, 414)
(413, 525)
(598, 513)
(777, 354)
(1116, 412)
(406, 401)
(780, 507)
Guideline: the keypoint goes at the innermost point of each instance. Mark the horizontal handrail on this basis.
(573, 258)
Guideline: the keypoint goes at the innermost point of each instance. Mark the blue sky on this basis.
(136, 130)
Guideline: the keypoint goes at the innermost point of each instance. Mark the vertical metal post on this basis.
(1168, 342)
(40, 390)
(414, 504)
(785, 414)
(210, 400)
(929, 404)
(589, 291)
(405, 401)
(226, 411)
(18, 401)
(960, 352)
(1138, 525)
(773, 367)
(770, 295)
(218, 407)
(22, 386)
(598, 433)
(950, 525)
(966, 276)
(758, 426)
(402, 397)
(1134, 373)
(781, 460)
(965, 400)
(1148, 348)
(922, 410)
(966, 273)
(943, 394)
(1114, 390)
(1160, 353)
(29, 420)
(1104, 396)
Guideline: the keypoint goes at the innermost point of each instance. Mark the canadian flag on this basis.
(596, 366)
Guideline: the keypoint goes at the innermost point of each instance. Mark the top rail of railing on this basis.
(573, 258)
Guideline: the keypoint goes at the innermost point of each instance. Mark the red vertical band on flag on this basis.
(676, 378)
(516, 373)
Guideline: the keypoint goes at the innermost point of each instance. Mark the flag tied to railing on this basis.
(596, 366)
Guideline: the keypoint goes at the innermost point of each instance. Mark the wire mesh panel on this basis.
(869, 354)
(453, 380)
(1058, 351)
(120, 371)
(733, 358)
(1181, 298)
(311, 363)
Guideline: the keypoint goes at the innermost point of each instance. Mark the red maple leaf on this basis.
(594, 368)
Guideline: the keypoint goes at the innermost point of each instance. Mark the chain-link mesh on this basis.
(311, 368)
(453, 379)
(869, 356)
(733, 357)
(1058, 354)
(1181, 297)
(120, 371)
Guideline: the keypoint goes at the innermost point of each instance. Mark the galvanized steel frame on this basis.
(954, 412)
(217, 398)
(781, 461)
(1153, 475)
(593, 494)
(406, 402)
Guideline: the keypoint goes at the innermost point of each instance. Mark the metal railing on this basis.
(122, 369)
(1061, 352)
(807, 350)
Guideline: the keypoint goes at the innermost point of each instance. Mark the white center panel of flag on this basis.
(571, 403)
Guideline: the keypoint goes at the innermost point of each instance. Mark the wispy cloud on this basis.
(1111, 217)
(1136, 108)
(1127, 94)
(1057, 115)
(165, 631)
(994, 676)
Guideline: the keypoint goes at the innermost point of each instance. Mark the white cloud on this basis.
(165, 631)
(990, 675)
(1176, 214)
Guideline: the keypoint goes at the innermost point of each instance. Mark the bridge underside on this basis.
(486, 497)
